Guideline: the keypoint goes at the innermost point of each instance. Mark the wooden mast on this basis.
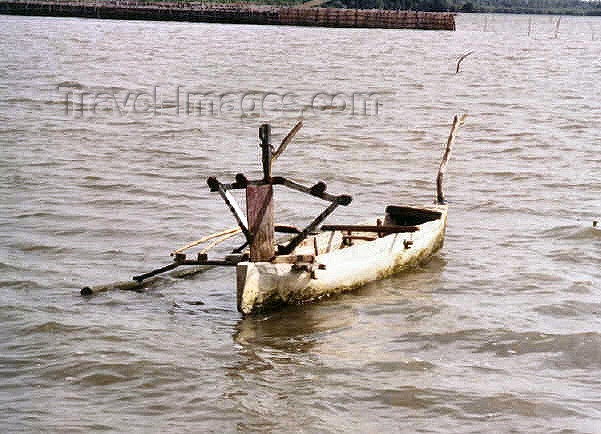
(259, 205)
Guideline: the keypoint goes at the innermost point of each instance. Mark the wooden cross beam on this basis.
(231, 203)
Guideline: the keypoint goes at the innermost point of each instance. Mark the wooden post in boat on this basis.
(259, 205)
(265, 136)
(457, 122)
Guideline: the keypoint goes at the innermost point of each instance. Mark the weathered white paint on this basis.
(264, 284)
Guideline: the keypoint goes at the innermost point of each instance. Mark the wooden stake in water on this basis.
(461, 60)
(557, 28)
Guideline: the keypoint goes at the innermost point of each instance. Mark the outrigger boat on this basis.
(316, 261)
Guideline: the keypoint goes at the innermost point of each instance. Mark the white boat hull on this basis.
(263, 285)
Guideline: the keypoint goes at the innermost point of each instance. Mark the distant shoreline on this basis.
(234, 14)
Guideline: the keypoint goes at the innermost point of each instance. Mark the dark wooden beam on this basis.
(318, 190)
(231, 203)
(265, 137)
(385, 229)
(289, 248)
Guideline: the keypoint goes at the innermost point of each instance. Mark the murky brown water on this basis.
(500, 332)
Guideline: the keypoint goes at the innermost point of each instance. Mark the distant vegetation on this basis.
(557, 7)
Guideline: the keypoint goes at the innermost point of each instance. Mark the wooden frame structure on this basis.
(258, 226)
(314, 261)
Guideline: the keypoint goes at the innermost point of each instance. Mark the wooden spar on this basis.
(313, 191)
(161, 270)
(289, 248)
(180, 259)
(231, 203)
(359, 237)
(286, 141)
(457, 122)
(231, 231)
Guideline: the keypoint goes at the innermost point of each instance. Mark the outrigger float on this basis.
(316, 261)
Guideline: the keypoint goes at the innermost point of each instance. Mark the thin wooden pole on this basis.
(265, 136)
(231, 203)
(461, 60)
(219, 241)
(232, 231)
(457, 122)
(286, 141)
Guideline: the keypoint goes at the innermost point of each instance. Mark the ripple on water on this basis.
(570, 351)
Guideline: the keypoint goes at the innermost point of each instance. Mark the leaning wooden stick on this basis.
(461, 60)
(457, 122)
(286, 141)
(219, 241)
(207, 238)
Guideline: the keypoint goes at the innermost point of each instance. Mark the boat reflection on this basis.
(304, 328)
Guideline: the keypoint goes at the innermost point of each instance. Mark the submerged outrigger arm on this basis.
(258, 225)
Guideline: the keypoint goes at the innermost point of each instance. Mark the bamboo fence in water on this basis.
(233, 13)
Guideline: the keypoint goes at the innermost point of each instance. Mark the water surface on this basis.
(501, 331)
